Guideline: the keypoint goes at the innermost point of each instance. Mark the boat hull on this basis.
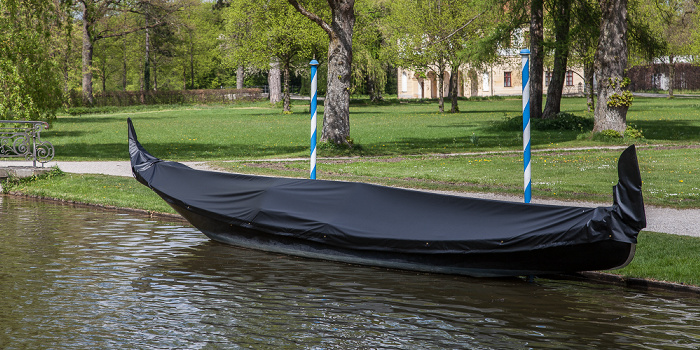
(603, 255)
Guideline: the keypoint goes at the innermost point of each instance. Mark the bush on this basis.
(607, 136)
(633, 133)
(563, 121)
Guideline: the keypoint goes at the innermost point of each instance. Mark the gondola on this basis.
(389, 227)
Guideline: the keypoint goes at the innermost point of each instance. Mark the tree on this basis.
(611, 63)
(676, 23)
(561, 14)
(30, 87)
(439, 35)
(278, 34)
(536, 57)
(369, 61)
(95, 22)
(584, 38)
(336, 114)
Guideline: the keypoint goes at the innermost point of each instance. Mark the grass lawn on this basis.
(258, 130)
(407, 136)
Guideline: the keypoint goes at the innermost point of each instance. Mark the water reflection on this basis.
(83, 278)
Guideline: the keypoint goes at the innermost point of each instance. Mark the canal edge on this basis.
(587, 276)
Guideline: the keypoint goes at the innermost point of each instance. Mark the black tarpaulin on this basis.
(370, 217)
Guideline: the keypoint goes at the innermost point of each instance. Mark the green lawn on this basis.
(671, 177)
(258, 130)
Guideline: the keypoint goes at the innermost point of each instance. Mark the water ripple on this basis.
(80, 278)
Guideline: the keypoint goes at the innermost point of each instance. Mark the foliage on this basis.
(432, 37)
(607, 135)
(633, 133)
(259, 35)
(370, 60)
(563, 121)
(28, 71)
(623, 99)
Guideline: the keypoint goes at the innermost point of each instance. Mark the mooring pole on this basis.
(314, 83)
(526, 124)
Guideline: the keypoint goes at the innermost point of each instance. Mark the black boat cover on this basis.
(370, 217)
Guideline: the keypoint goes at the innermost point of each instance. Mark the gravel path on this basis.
(667, 220)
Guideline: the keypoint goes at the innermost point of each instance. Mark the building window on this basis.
(547, 78)
(506, 79)
(404, 82)
(569, 78)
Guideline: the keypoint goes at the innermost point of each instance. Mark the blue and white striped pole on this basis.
(526, 124)
(314, 83)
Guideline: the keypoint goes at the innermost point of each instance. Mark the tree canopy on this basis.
(29, 77)
(51, 51)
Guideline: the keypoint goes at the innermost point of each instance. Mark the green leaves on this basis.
(29, 80)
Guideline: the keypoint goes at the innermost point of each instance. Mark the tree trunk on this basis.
(454, 89)
(588, 73)
(147, 61)
(87, 52)
(671, 75)
(155, 71)
(562, 16)
(191, 61)
(103, 72)
(336, 114)
(286, 86)
(611, 62)
(124, 71)
(273, 82)
(240, 77)
(536, 58)
(441, 87)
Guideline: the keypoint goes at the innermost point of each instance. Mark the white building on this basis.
(503, 79)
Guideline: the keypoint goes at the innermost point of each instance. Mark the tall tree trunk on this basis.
(454, 89)
(671, 75)
(536, 57)
(441, 87)
(124, 71)
(562, 16)
(588, 73)
(273, 82)
(155, 71)
(191, 61)
(611, 62)
(336, 113)
(103, 72)
(87, 52)
(286, 86)
(240, 77)
(147, 61)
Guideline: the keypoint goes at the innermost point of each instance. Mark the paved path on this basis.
(675, 221)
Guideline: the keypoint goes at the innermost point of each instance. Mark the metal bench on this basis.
(19, 138)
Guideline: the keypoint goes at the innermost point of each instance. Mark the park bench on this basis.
(20, 138)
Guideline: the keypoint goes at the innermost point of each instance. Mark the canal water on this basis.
(84, 278)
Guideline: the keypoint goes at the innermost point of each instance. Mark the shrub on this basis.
(563, 121)
(607, 136)
(633, 133)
